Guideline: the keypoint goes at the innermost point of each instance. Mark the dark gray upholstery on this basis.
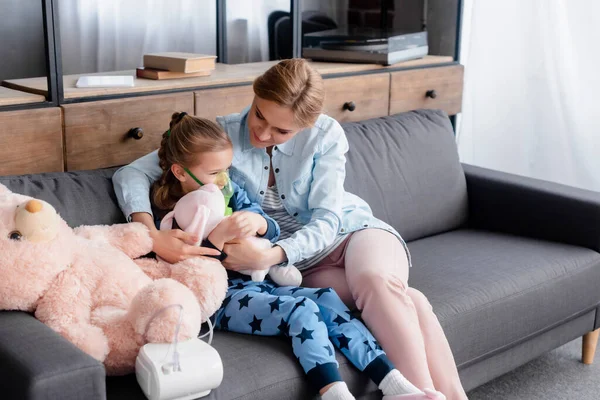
(528, 207)
(257, 368)
(37, 363)
(81, 198)
(502, 362)
(490, 290)
(406, 167)
(510, 265)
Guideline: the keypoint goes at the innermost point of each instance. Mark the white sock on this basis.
(339, 391)
(395, 384)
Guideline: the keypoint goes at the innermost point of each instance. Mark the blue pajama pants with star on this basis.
(314, 319)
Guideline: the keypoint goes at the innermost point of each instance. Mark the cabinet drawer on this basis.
(439, 87)
(31, 141)
(357, 98)
(97, 134)
(211, 103)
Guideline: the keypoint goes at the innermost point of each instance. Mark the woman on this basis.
(290, 158)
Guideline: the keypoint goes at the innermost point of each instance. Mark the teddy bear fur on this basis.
(85, 285)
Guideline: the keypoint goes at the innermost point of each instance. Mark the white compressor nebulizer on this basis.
(191, 371)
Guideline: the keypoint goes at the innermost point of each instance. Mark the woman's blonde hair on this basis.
(187, 137)
(295, 84)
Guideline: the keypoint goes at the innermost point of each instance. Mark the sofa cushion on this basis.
(406, 167)
(492, 290)
(257, 367)
(81, 198)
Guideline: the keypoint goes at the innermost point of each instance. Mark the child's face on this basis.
(206, 169)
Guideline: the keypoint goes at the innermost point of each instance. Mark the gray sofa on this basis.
(510, 264)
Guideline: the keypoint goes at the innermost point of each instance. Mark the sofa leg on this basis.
(590, 340)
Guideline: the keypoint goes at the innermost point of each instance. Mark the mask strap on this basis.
(193, 176)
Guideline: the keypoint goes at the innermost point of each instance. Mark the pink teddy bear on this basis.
(200, 211)
(85, 285)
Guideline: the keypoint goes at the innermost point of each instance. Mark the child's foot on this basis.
(428, 395)
(394, 384)
(339, 391)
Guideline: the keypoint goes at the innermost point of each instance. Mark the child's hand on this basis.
(239, 225)
(245, 224)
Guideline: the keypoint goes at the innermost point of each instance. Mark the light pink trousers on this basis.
(369, 271)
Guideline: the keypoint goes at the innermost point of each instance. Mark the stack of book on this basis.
(176, 65)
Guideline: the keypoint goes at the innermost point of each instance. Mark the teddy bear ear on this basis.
(3, 189)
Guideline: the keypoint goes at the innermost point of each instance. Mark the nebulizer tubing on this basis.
(174, 365)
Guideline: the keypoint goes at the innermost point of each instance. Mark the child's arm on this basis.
(248, 219)
(241, 202)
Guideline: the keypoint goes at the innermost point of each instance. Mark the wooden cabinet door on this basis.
(31, 141)
(356, 98)
(439, 87)
(102, 134)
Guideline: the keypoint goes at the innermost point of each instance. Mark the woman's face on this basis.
(206, 169)
(270, 124)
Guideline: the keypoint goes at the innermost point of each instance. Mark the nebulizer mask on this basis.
(223, 181)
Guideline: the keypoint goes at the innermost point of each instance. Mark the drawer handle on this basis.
(349, 105)
(136, 133)
(432, 94)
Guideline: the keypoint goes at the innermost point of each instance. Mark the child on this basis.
(193, 152)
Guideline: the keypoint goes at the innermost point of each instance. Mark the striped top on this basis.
(273, 207)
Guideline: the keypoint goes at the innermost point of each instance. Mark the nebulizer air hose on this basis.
(174, 364)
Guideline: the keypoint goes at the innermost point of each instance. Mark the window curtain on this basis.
(112, 35)
(531, 89)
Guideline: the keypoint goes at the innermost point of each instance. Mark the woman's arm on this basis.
(325, 199)
(132, 184)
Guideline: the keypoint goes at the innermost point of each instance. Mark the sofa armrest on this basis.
(525, 206)
(38, 363)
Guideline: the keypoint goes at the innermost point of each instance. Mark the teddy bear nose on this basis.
(33, 206)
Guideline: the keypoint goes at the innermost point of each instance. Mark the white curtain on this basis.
(110, 35)
(531, 88)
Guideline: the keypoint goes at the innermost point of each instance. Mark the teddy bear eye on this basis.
(15, 235)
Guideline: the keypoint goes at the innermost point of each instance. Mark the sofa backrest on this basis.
(406, 167)
(81, 198)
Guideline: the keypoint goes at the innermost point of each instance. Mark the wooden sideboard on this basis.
(97, 128)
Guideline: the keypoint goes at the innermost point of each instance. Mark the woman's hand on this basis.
(243, 255)
(176, 245)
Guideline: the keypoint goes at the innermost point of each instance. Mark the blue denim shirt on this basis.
(310, 172)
